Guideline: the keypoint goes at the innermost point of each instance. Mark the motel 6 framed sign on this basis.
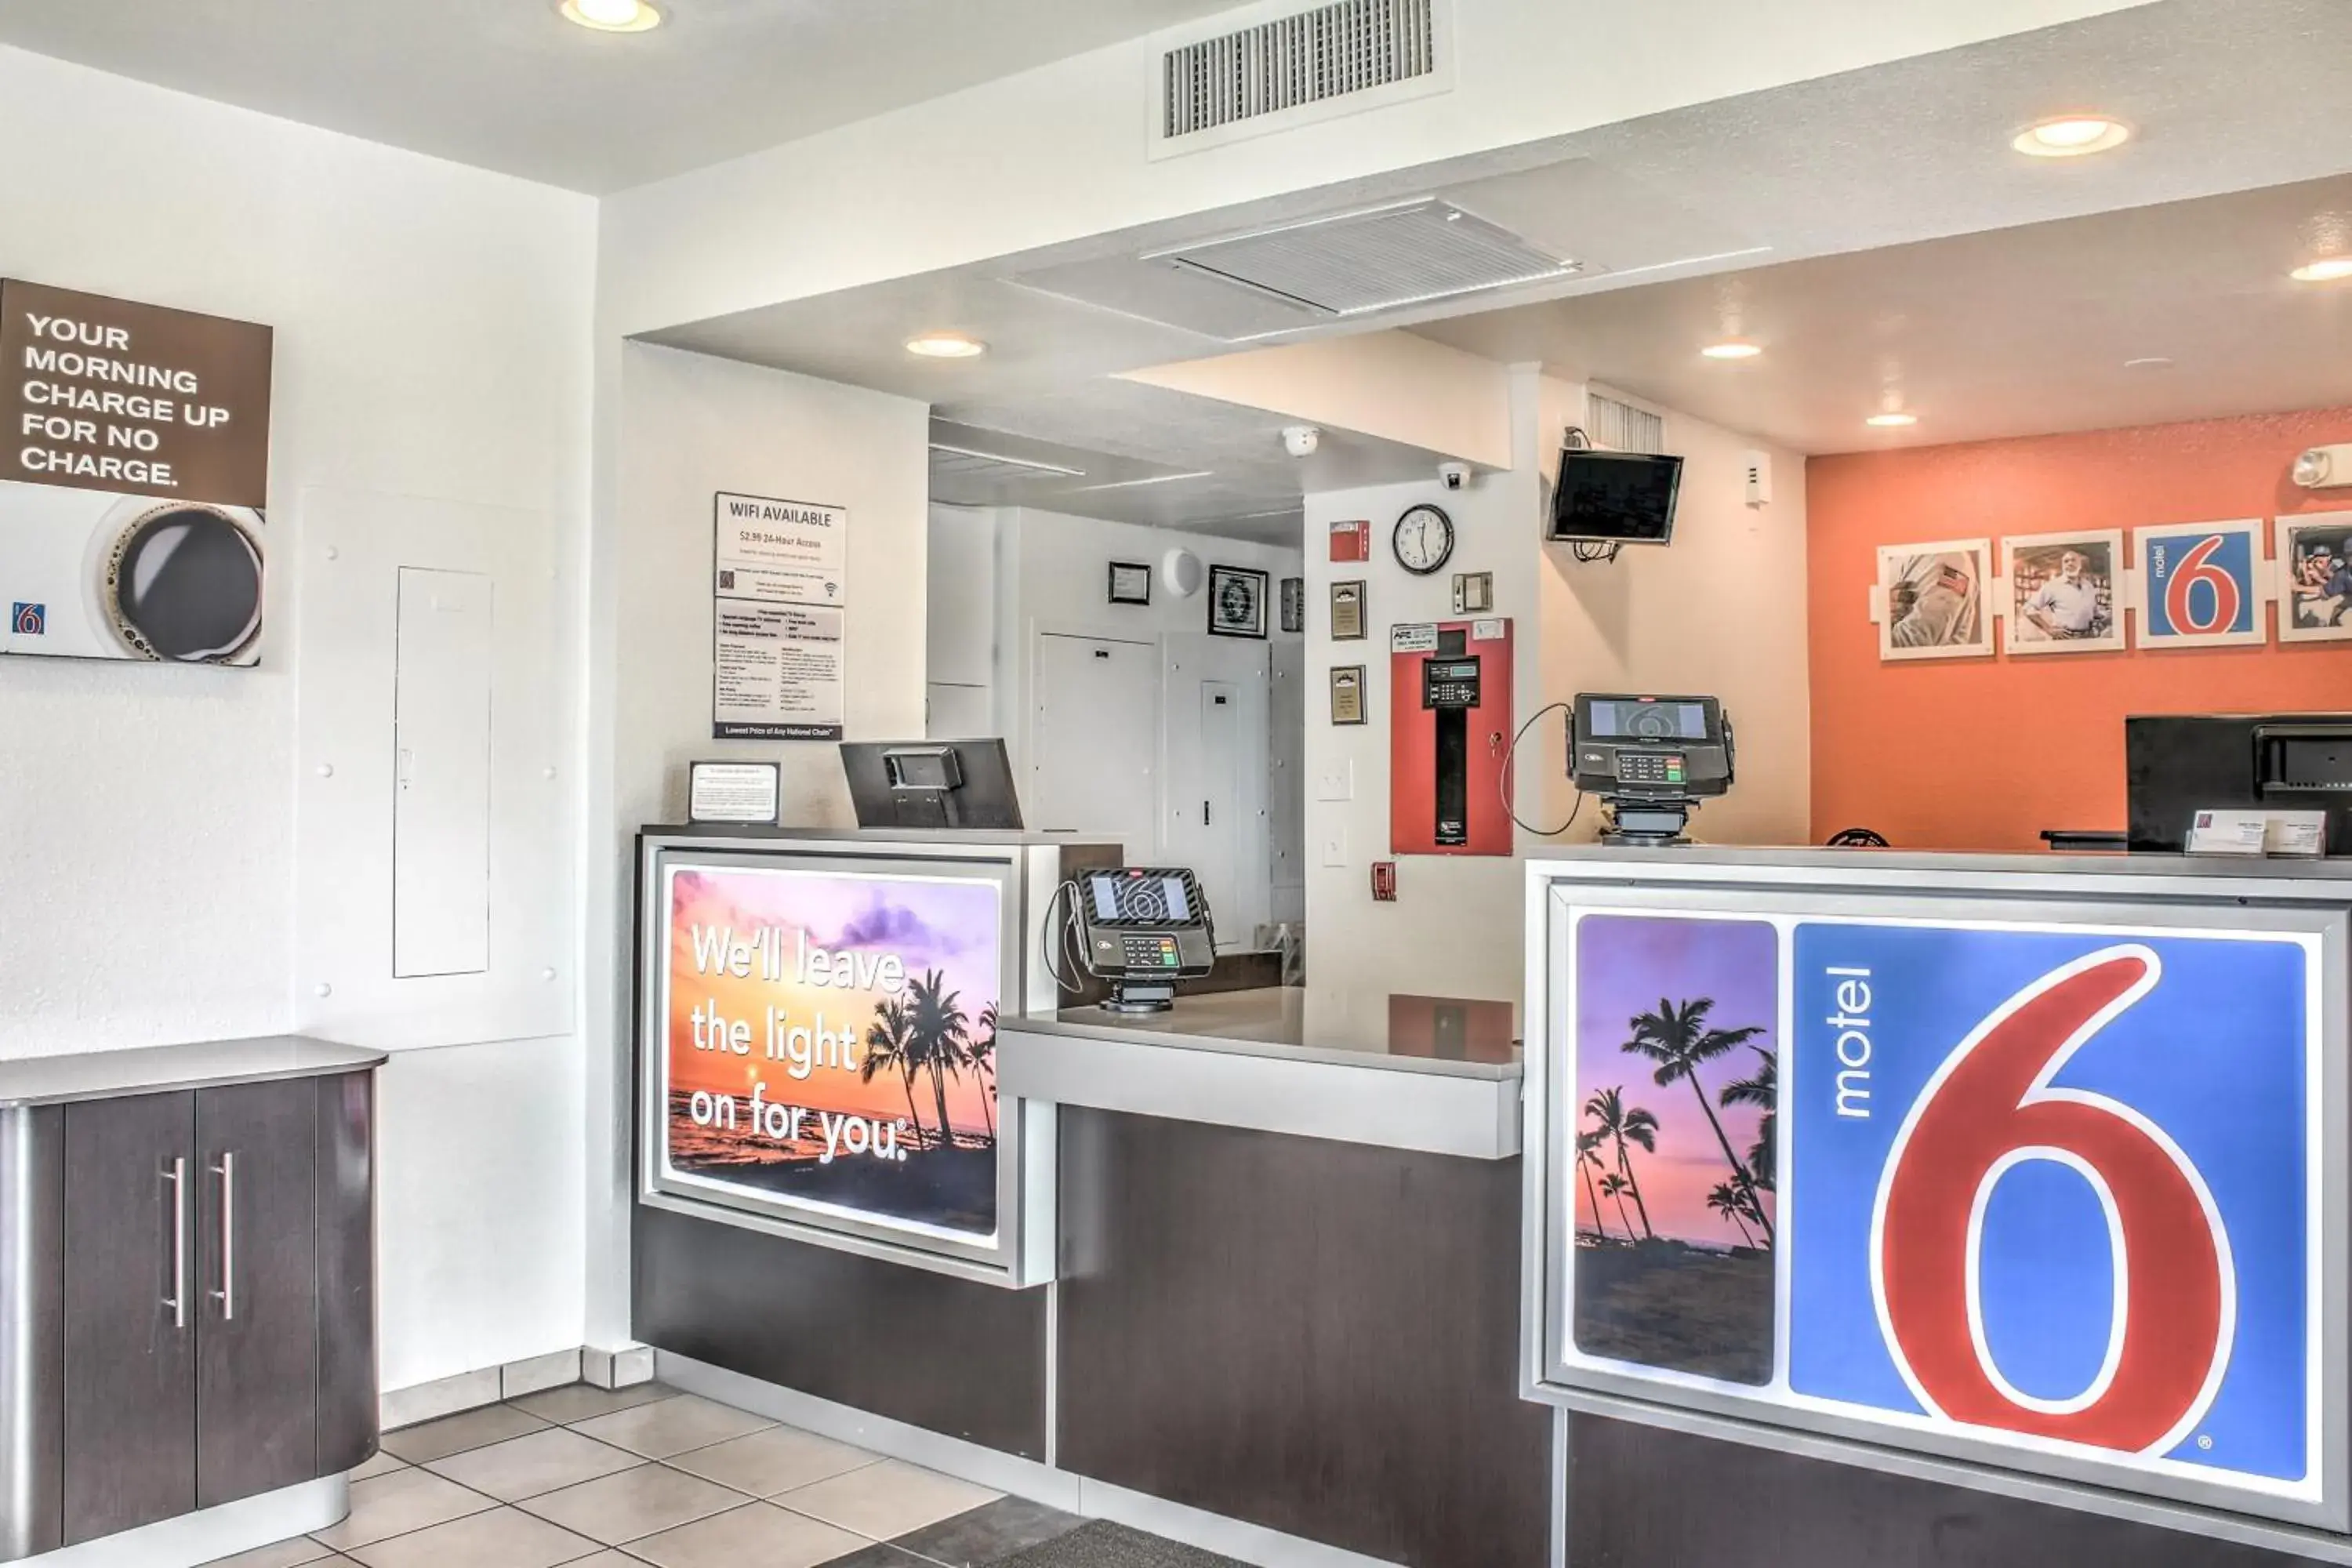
(2043, 1194)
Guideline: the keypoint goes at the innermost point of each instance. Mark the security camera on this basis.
(1454, 475)
(1300, 440)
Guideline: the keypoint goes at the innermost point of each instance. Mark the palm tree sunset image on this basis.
(832, 1040)
(1678, 1085)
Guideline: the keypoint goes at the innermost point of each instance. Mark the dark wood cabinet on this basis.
(258, 1310)
(187, 1292)
(129, 1313)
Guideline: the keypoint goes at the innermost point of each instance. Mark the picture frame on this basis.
(1236, 602)
(2064, 593)
(1348, 694)
(1294, 603)
(1130, 582)
(1348, 611)
(2314, 563)
(732, 792)
(1933, 600)
(2201, 584)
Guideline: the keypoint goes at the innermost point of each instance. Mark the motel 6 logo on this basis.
(2055, 1185)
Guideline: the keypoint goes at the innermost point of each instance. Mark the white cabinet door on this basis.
(1094, 739)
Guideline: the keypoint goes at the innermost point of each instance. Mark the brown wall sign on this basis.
(134, 468)
(105, 394)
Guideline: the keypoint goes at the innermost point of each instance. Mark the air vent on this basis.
(1622, 427)
(993, 468)
(1373, 260)
(1329, 52)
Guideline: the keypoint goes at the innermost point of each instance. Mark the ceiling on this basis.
(1870, 224)
(508, 85)
(2018, 331)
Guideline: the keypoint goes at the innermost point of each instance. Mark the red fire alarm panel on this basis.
(1351, 540)
(1449, 730)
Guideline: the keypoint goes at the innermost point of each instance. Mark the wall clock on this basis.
(1423, 541)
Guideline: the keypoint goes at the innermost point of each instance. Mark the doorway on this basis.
(1215, 798)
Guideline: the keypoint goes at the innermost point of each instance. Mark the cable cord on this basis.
(1051, 936)
(1511, 810)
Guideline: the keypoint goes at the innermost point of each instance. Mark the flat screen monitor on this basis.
(1615, 498)
(2176, 765)
(1649, 719)
(931, 783)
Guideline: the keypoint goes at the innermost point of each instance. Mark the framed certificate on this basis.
(1348, 694)
(1348, 611)
(734, 791)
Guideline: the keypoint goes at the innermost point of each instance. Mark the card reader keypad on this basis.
(1147, 950)
(1650, 767)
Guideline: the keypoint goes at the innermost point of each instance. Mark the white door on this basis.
(1214, 804)
(1094, 739)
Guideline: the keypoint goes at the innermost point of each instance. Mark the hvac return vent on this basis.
(1374, 260)
(1313, 58)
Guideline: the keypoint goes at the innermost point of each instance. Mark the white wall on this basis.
(432, 339)
(1722, 611)
(684, 428)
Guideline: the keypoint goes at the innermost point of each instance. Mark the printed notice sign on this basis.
(778, 675)
(133, 479)
(777, 619)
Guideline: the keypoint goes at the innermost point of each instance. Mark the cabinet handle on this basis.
(226, 1294)
(177, 1174)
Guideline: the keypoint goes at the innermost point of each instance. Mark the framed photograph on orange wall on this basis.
(2314, 577)
(2064, 593)
(1930, 601)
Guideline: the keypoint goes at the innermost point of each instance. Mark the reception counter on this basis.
(1842, 1209)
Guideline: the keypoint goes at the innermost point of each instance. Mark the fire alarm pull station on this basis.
(1450, 728)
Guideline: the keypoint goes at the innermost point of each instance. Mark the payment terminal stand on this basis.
(1140, 929)
(1650, 760)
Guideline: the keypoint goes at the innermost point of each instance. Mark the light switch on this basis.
(1335, 847)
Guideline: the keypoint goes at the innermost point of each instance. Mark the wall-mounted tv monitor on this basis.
(1615, 498)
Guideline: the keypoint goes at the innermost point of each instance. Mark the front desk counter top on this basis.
(1436, 1075)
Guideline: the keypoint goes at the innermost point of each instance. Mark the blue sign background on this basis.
(2214, 1056)
(2165, 550)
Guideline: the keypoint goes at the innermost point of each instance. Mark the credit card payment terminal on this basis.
(1142, 929)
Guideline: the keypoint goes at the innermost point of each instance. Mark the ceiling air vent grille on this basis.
(1622, 427)
(1329, 52)
(1373, 260)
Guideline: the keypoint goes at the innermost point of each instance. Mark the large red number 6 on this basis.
(2196, 567)
(1990, 1107)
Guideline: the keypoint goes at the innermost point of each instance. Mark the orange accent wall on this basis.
(1984, 753)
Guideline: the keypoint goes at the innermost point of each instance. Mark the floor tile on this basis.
(545, 1462)
(455, 1434)
(395, 1504)
(881, 1554)
(579, 1401)
(671, 1426)
(284, 1554)
(886, 1500)
(988, 1533)
(758, 1536)
(503, 1538)
(775, 1460)
(634, 1503)
(382, 1464)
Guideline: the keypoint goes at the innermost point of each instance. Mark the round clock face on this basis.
(1423, 541)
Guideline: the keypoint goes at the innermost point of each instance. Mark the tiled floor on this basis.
(648, 1474)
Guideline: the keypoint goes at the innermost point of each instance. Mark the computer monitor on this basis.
(2177, 764)
(1615, 498)
(931, 783)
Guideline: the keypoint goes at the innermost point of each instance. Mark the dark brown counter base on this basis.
(1643, 1497)
(948, 1356)
(1311, 1336)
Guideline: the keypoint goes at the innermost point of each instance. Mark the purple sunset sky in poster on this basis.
(1625, 964)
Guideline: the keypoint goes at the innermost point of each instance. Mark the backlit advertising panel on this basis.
(827, 1045)
(2048, 1195)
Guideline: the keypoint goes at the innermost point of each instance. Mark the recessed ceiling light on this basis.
(2071, 136)
(1890, 421)
(1733, 350)
(2327, 270)
(612, 16)
(946, 345)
